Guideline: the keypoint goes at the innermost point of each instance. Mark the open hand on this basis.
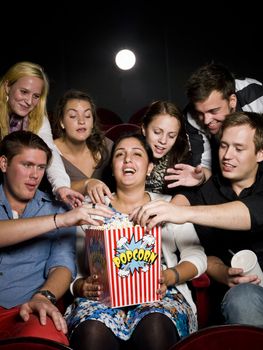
(43, 309)
(185, 175)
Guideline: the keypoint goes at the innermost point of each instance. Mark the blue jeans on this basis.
(243, 304)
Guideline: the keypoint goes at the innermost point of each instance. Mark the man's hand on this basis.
(43, 308)
(235, 277)
(156, 212)
(72, 198)
(87, 214)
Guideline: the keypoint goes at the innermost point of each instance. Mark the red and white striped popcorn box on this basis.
(128, 261)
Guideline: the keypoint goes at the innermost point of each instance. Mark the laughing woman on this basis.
(158, 325)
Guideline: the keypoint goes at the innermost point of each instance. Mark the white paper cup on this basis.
(248, 261)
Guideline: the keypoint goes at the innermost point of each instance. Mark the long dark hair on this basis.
(129, 134)
(139, 137)
(180, 152)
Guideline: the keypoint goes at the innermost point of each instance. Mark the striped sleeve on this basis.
(249, 94)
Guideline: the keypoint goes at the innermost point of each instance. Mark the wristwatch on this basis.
(50, 296)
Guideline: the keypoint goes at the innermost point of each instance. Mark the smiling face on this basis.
(24, 95)
(161, 134)
(130, 163)
(77, 120)
(23, 174)
(237, 155)
(213, 110)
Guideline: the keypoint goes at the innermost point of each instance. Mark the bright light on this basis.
(125, 59)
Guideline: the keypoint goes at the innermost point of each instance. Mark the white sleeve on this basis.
(206, 156)
(189, 246)
(206, 153)
(56, 172)
(183, 238)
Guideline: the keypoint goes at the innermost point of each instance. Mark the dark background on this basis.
(76, 44)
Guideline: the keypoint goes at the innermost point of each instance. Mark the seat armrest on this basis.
(200, 290)
(202, 281)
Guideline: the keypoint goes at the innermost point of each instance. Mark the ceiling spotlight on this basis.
(125, 59)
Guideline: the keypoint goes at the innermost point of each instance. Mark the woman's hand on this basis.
(72, 198)
(185, 175)
(90, 288)
(97, 190)
(163, 286)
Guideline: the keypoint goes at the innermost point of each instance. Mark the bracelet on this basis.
(177, 276)
(55, 222)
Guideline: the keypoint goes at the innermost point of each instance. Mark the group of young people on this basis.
(161, 176)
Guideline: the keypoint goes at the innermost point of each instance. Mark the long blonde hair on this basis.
(17, 71)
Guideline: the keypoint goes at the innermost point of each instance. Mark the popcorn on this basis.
(117, 221)
(127, 260)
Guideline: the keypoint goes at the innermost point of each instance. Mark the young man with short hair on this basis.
(213, 92)
(37, 242)
(227, 214)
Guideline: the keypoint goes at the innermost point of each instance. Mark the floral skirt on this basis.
(122, 321)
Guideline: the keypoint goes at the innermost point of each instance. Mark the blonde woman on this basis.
(23, 95)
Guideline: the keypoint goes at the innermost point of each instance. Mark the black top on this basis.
(218, 190)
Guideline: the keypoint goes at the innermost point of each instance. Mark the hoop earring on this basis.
(7, 98)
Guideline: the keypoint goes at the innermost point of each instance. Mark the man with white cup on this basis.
(247, 260)
(228, 215)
